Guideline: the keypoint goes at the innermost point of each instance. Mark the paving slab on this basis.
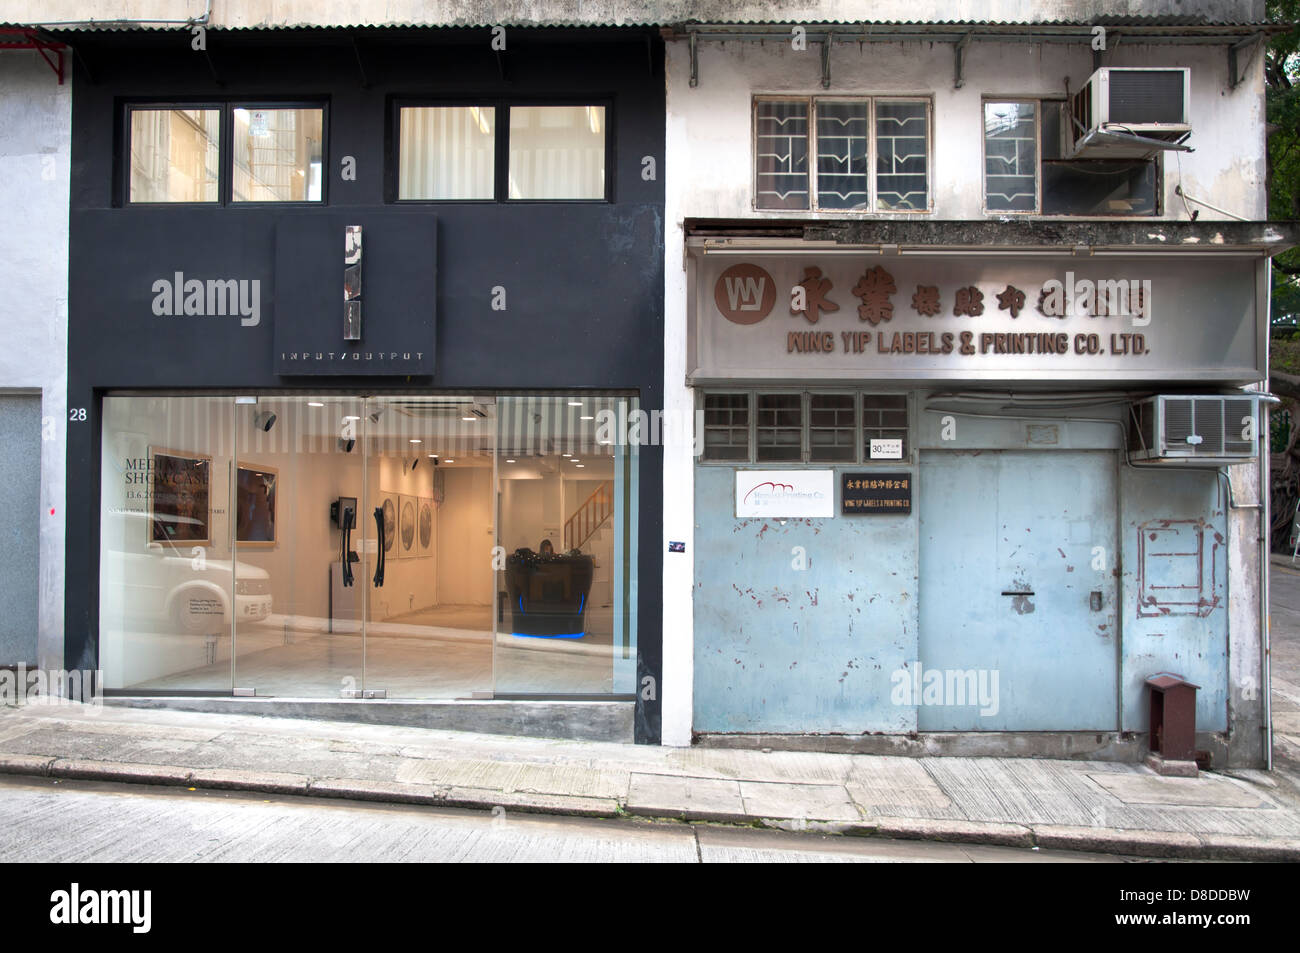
(660, 795)
(119, 771)
(964, 832)
(813, 802)
(235, 779)
(898, 787)
(1139, 843)
(25, 764)
(1195, 792)
(565, 778)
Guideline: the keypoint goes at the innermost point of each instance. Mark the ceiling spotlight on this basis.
(264, 421)
(374, 418)
(346, 444)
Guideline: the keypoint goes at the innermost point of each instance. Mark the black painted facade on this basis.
(584, 280)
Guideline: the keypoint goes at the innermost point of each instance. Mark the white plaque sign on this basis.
(886, 449)
(785, 494)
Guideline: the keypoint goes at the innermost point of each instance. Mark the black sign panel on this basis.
(398, 288)
(875, 494)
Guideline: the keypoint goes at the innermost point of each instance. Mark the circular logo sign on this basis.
(745, 294)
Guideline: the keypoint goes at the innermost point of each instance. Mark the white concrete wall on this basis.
(35, 138)
(709, 174)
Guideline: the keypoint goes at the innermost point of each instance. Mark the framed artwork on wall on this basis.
(180, 497)
(424, 526)
(388, 503)
(406, 519)
(255, 505)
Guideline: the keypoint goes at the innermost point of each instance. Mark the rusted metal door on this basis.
(1017, 592)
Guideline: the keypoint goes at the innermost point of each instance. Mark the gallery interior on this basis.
(402, 546)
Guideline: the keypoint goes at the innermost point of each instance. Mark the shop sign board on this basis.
(876, 494)
(805, 316)
(785, 494)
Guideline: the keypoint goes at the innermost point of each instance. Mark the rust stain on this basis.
(1061, 551)
(1021, 605)
(812, 596)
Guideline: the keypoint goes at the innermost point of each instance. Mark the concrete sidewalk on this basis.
(1072, 805)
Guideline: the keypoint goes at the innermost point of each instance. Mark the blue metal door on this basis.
(1017, 592)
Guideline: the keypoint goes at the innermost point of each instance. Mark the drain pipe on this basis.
(136, 21)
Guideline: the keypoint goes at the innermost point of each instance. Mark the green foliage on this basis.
(1282, 73)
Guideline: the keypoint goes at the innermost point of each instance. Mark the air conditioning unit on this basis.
(1130, 113)
(1199, 430)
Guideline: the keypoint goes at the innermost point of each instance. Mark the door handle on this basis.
(348, 517)
(379, 563)
(1018, 592)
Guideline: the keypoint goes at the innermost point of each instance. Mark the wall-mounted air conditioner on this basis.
(1198, 430)
(1130, 113)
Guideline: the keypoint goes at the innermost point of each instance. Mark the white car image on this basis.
(173, 585)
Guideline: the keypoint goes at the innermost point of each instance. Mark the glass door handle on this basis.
(348, 517)
(379, 566)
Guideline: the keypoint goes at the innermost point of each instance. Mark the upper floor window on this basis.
(832, 154)
(492, 152)
(225, 152)
(1026, 169)
(809, 427)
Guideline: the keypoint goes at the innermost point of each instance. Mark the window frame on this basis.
(805, 460)
(873, 152)
(225, 149)
(501, 107)
(1039, 101)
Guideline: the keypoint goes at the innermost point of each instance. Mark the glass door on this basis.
(432, 607)
(296, 522)
(567, 538)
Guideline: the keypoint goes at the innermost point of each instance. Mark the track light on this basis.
(264, 421)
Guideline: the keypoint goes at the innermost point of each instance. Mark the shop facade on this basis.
(346, 313)
(980, 447)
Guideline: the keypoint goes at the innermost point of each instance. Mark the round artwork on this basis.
(426, 525)
(390, 525)
(408, 526)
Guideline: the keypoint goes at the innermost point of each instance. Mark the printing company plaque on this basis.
(875, 494)
(785, 494)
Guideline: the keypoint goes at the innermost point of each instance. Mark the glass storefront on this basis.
(413, 546)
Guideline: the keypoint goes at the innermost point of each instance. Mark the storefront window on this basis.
(424, 546)
(831, 437)
(780, 427)
(557, 152)
(726, 427)
(568, 511)
(277, 154)
(447, 152)
(175, 155)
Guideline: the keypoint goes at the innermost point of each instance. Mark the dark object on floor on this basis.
(548, 593)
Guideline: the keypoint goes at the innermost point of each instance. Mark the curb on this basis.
(1173, 845)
